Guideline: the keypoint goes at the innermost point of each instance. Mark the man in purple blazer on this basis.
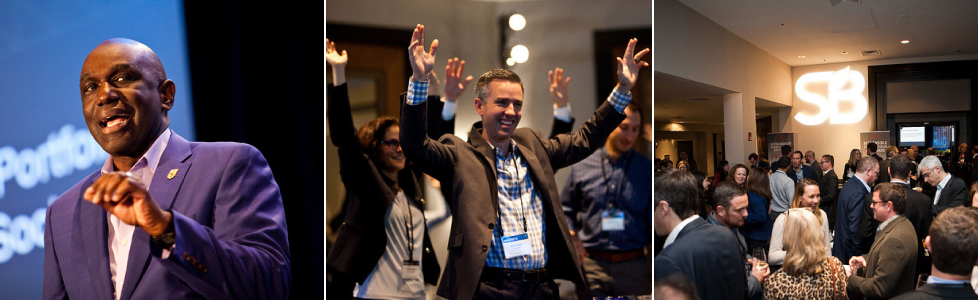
(165, 218)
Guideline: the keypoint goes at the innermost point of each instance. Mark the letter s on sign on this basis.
(828, 105)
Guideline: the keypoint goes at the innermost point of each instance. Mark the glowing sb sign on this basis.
(843, 85)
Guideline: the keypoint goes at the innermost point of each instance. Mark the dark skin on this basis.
(125, 99)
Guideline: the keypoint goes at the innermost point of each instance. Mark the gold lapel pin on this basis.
(173, 173)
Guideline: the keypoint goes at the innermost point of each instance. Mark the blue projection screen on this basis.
(45, 147)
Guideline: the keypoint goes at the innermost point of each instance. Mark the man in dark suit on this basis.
(509, 238)
(871, 148)
(951, 191)
(756, 161)
(814, 164)
(888, 269)
(849, 213)
(953, 240)
(164, 217)
(799, 168)
(710, 256)
(828, 186)
(918, 210)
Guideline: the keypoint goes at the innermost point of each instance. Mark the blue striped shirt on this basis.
(517, 199)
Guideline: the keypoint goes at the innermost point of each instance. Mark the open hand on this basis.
(333, 57)
(558, 87)
(629, 65)
(454, 85)
(421, 62)
(126, 197)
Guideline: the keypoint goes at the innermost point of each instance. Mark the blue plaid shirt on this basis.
(517, 199)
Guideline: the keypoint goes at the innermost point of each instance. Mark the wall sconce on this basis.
(516, 54)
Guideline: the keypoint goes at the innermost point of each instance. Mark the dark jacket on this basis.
(849, 217)
(940, 291)
(806, 172)
(828, 187)
(954, 194)
(710, 256)
(361, 239)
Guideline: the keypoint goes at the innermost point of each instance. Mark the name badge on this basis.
(516, 245)
(614, 221)
(411, 270)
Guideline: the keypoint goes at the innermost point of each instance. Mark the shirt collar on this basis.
(887, 222)
(499, 154)
(152, 155)
(947, 177)
(937, 280)
(675, 231)
(863, 182)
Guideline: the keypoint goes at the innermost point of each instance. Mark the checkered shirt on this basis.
(510, 189)
(417, 92)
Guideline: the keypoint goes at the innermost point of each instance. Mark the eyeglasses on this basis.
(393, 143)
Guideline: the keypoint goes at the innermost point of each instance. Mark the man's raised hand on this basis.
(454, 85)
(421, 62)
(558, 87)
(629, 65)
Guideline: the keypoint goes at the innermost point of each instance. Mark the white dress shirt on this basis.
(120, 234)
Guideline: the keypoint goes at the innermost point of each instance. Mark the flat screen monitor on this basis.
(913, 136)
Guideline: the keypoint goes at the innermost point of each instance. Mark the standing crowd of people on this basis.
(790, 231)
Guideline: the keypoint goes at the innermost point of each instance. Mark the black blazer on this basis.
(940, 291)
(710, 256)
(361, 239)
(828, 187)
(954, 194)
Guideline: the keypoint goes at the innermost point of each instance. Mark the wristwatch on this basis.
(166, 239)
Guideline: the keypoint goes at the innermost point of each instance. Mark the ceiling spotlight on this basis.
(520, 54)
(801, 56)
(905, 41)
(517, 22)
(510, 61)
(845, 52)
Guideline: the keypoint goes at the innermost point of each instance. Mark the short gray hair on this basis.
(929, 163)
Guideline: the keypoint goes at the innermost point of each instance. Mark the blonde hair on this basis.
(800, 191)
(852, 157)
(803, 242)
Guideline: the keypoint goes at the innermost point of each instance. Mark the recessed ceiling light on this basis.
(845, 52)
(801, 56)
(905, 41)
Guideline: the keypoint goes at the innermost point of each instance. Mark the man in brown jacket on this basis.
(509, 238)
(888, 269)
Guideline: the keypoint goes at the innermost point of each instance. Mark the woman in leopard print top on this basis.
(807, 273)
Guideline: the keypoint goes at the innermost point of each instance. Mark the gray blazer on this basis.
(469, 169)
(890, 263)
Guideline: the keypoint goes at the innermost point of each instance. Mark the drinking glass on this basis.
(760, 256)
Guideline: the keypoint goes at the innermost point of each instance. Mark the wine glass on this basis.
(760, 256)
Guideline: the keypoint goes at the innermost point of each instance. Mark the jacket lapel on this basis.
(536, 174)
(163, 189)
(95, 230)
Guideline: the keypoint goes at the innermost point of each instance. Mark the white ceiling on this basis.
(820, 32)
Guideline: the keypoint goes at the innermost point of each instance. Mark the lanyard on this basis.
(408, 225)
(519, 188)
(621, 184)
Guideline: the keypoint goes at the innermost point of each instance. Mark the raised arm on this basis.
(455, 85)
(567, 149)
(563, 121)
(433, 157)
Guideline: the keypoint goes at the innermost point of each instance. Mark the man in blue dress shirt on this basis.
(607, 204)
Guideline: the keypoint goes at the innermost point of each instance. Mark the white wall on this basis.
(690, 46)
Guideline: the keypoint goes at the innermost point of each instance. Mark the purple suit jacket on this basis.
(232, 241)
